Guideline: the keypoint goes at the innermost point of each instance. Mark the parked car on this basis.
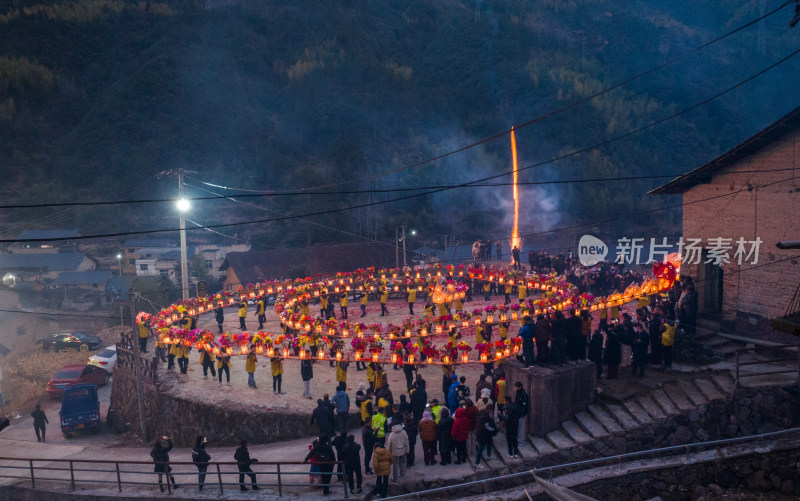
(76, 341)
(76, 374)
(80, 409)
(105, 358)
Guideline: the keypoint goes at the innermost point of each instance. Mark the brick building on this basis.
(751, 192)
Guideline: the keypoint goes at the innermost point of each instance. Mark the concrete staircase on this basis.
(707, 334)
(602, 419)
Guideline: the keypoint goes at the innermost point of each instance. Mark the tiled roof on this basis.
(67, 261)
(147, 242)
(47, 234)
(84, 278)
(256, 266)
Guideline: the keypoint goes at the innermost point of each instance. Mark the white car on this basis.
(105, 358)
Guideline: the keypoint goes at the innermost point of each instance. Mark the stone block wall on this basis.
(556, 392)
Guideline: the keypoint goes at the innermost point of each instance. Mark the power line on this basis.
(462, 185)
(546, 115)
(357, 192)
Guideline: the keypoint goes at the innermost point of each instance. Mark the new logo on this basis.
(591, 250)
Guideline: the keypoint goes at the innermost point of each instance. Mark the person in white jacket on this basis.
(397, 444)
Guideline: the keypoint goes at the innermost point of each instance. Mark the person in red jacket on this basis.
(460, 433)
(471, 412)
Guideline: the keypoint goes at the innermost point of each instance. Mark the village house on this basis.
(739, 206)
(45, 242)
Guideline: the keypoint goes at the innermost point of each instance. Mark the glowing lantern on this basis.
(526, 313)
(394, 358)
(338, 356)
(270, 352)
(465, 324)
(498, 355)
(460, 273)
(269, 290)
(423, 332)
(174, 317)
(345, 332)
(358, 355)
(286, 353)
(391, 335)
(507, 352)
(477, 320)
(318, 329)
(302, 353)
(228, 350)
(465, 357)
(230, 300)
(484, 357)
(446, 359)
(419, 288)
(347, 288)
(201, 309)
(451, 326)
(411, 358)
(321, 355)
(375, 357)
(360, 334)
(439, 329)
(191, 312)
(408, 332)
(331, 331)
(516, 349)
(166, 340)
(489, 319)
(307, 327)
(336, 289)
(503, 317)
(316, 293)
(394, 275)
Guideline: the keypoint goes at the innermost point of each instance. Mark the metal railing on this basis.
(787, 353)
(662, 451)
(220, 475)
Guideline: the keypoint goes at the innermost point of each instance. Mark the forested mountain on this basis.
(99, 96)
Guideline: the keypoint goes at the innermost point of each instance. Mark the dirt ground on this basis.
(195, 386)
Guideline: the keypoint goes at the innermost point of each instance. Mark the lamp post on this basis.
(400, 238)
(183, 205)
(119, 260)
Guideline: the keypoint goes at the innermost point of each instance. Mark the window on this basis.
(131, 251)
(132, 261)
(209, 264)
(143, 267)
(164, 273)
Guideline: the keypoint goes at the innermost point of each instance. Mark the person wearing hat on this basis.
(435, 408)
(200, 458)
(452, 393)
(668, 331)
(244, 462)
(160, 455)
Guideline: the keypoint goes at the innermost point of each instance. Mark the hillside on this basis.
(98, 96)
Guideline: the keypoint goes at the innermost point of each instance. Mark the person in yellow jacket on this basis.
(341, 372)
(613, 314)
(371, 376)
(185, 322)
(435, 410)
(343, 304)
(366, 406)
(242, 314)
(261, 311)
(183, 358)
(429, 309)
(384, 300)
(411, 297)
(144, 333)
(479, 334)
(443, 309)
(323, 306)
(522, 292)
(173, 352)
(509, 287)
(305, 309)
(487, 291)
(161, 347)
(668, 332)
(644, 302)
(224, 364)
(378, 420)
(458, 305)
(276, 368)
(364, 300)
(250, 367)
(207, 361)
(503, 328)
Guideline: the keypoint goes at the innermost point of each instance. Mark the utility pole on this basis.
(404, 246)
(137, 369)
(396, 250)
(184, 271)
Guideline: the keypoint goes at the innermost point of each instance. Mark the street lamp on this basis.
(119, 260)
(396, 247)
(183, 205)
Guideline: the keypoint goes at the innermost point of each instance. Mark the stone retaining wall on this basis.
(751, 411)
(183, 420)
